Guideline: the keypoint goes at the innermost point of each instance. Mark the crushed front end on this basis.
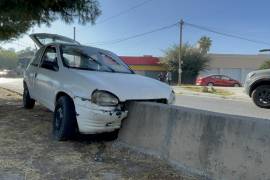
(94, 119)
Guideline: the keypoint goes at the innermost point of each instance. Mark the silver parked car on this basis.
(257, 86)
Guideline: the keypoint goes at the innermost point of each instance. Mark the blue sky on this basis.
(246, 18)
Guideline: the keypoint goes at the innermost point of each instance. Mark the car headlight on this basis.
(172, 98)
(104, 98)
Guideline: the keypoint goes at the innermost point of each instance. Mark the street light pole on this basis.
(180, 51)
(74, 33)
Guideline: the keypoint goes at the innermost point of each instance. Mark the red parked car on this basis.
(217, 80)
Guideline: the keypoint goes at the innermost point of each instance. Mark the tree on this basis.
(8, 59)
(18, 16)
(265, 65)
(204, 44)
(26, 53)
(193, 61)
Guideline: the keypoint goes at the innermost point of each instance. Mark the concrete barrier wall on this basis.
(217, 145)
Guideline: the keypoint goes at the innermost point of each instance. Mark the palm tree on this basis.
(204, 44)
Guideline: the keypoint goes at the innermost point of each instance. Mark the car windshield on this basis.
(92, 59)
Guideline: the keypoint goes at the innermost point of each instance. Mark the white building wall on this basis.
(236, 66)
(235, 73)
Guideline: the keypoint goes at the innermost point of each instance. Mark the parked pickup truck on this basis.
(87, 88)
(257, 86)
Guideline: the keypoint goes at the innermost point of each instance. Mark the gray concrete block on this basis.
(218, 145)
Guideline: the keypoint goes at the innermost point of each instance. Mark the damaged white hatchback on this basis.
(87, 88)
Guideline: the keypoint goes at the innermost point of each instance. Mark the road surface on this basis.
(227, 106)
(215, 104)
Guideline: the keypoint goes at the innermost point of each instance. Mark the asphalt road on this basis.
(226, 106)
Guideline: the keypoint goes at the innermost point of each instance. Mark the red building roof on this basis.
(140, 60)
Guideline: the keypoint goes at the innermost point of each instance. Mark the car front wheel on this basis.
(111, 136)
(64, 120)
(28, 102)
(261, 96)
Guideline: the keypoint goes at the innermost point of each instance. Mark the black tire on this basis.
(236, 85)
(111, 136)
(28, 102)
(64, 119)
(261, 96)
(210, 84)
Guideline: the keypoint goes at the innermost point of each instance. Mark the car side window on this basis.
(49, 59)
(216, 77)
(36, 59)
(225, 78)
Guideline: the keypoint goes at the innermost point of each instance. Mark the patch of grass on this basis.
(211, 90)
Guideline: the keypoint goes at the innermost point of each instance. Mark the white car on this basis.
(87, 88)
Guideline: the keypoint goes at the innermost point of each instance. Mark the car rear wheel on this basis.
(28, 102)
(210, 84)
(261, 96)
(64, 120)
(236, 85)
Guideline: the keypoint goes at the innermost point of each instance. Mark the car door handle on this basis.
(35, 75)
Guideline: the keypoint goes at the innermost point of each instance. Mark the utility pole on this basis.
(180, 51)
(74, 33)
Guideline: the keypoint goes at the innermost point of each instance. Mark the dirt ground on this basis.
(28, 151)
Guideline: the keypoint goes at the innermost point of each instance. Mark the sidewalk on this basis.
(237, 93)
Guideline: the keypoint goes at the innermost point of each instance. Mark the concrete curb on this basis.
(210, 144)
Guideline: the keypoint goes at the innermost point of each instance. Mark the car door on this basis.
(226, 81)
(31, 72)
(46, 79)
(217, 80)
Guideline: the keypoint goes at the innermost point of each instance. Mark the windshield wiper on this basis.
(82, 68)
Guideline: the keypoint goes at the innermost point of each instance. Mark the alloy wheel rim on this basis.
(264, 97)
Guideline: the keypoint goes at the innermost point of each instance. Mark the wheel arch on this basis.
(257, 84)
(60, 94)
(24, 84)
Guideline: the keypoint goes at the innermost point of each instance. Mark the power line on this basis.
(226, 34)
(124, 11)
(115, 41)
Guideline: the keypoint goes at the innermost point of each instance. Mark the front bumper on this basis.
(94, 119)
